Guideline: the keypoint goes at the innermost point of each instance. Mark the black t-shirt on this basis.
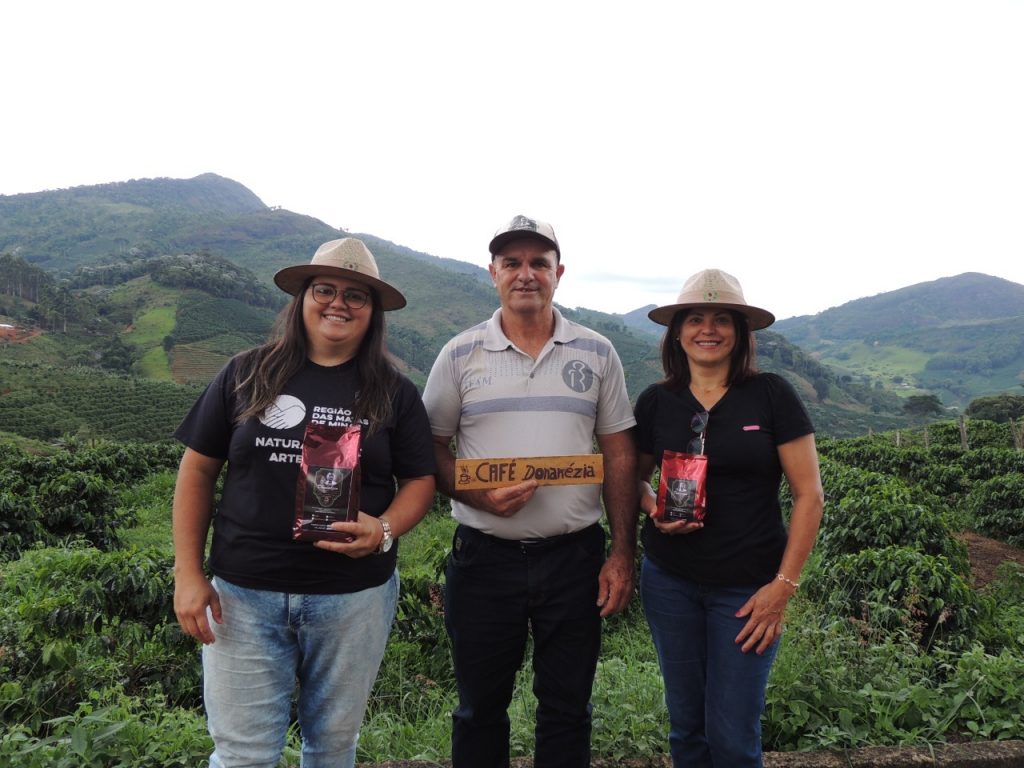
(743, 537)
(252, 528)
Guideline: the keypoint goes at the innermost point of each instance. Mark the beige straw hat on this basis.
(713, 289)
(348, 258)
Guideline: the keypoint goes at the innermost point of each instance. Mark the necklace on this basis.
(706, 390)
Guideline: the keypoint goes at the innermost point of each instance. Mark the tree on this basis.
(115, 355)
(1000, 408)
(923, 405)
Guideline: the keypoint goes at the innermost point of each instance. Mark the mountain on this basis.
(958, 337)
(638, 322)
(166, 278)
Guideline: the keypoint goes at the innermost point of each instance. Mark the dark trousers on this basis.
(497, 592)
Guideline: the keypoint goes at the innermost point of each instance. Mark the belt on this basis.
(546, 541)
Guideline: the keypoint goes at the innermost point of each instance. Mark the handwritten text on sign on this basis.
(473, 474)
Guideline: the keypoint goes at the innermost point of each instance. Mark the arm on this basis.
(767, 606)
(191, 515)
(615, 583)
(644, 473)
(410, 505)
(503, 502)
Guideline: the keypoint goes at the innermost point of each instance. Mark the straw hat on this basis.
(713, 289)
(348, 258)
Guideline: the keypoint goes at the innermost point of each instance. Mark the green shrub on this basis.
(882, 513)
(997, 506)
(1001, 625)
(71, 493)
(111, 730)
(73, 620)
(986, 463)
(74, 504)
(980, 434)
(898, 589)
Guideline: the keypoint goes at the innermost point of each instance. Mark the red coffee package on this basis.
(682, 490)
(328, 486)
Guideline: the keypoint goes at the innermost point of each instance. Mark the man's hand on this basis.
(615, 584)
(503, 502)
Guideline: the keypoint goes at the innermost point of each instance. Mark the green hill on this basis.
(958, 337)
(164, 279)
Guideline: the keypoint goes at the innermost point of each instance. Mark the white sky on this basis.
(819, 151)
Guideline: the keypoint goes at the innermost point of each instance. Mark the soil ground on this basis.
(986, 555)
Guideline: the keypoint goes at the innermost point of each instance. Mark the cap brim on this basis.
(758, 318)
(291, 279)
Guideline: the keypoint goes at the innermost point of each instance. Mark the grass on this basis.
(149, 507)
(150, 327)
(882, 362)
(153, 365)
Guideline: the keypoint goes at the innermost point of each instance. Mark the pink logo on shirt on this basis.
(752, 428)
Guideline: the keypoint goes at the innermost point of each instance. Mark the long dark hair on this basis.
(742, 360)
(263, 372)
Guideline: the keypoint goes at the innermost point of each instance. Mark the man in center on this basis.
(528, 558)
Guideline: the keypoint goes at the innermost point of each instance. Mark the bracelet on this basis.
(793, 584)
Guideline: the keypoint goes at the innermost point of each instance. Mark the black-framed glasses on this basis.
(325, 293)
(698, 425)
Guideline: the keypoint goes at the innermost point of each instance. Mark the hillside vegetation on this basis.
(45, 403)
(167, 278)
(959, 337)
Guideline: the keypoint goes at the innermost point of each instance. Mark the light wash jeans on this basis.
(714, 691)
(331, 645)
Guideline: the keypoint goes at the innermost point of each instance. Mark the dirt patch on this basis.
(15, 334)
(986, 555)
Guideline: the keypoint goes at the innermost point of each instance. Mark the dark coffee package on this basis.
(328, 486)
(682, 490)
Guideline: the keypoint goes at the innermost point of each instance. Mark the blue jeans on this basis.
(714, 692)
(496, 593)
(331, 645)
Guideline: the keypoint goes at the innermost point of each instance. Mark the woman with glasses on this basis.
(282, 619)
(715, 590)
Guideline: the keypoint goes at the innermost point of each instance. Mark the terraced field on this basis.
(196, 363)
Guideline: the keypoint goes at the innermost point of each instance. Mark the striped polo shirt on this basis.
(499, 402)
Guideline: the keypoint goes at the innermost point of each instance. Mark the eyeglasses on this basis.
(325, 293)
(698, 425)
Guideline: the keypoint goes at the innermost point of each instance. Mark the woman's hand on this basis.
(677, 527)
(193, 594)
(766, 610)
(649, 501)
(365, 535)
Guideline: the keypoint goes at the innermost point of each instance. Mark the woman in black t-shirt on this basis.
(279, 611)
(715, 590)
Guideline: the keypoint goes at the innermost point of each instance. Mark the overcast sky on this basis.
(819, 151)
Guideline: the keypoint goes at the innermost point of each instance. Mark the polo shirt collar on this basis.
(495, 339)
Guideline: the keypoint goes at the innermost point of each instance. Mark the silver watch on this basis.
(387, 540)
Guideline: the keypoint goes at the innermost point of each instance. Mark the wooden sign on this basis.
(473, 474)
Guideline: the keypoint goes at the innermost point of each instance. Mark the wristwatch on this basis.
(387, 540)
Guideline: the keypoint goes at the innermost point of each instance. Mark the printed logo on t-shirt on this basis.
(284, 413)
(578, 376)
